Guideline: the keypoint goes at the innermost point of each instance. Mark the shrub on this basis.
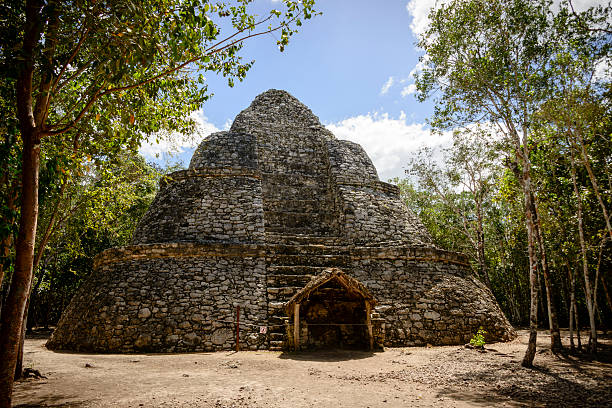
(478, 340)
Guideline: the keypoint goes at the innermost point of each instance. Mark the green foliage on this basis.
(97, 210)
(479, 338)
(538, 76)
(95, 80)
(115, 71)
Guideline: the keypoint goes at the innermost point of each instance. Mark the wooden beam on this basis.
(296, 326)
(369, 323)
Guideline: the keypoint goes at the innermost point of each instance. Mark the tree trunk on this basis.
(605, 288)
(578, 339)
(12, 315)
(28, 323)
(19, 364)
(14, 308)
(553, 323)
(533, 273)
(481, 246)
(576, 320)
(588, 292)
(587, 166)
(571, 308)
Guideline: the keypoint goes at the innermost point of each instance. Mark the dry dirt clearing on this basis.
(400, 377)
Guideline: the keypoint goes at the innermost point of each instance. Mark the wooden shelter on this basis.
(332, 302)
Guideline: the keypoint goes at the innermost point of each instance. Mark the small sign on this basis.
(263, 329)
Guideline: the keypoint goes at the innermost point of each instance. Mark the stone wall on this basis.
(350, 164)
(261, 210)
(204, 205)
(159, 301)
(372, 216)
(182, 297)
(429, 300)
(226, 149)
(372, 211)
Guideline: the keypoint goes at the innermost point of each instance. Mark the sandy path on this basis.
(400, 377)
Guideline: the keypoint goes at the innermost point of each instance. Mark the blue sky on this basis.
(352, 66)
(336, 65)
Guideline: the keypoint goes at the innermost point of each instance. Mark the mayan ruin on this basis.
(280, 220)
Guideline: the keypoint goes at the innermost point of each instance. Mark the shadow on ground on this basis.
(326, 355)
(56, 400)
(571, 381)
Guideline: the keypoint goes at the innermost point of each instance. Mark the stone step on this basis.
(278, 294)
(333, 260)
(294, 270)
(277, 336)
(276, 192)
(288, 280)
(276, 345)
(280, 297)
(305, 249)
(276, 307)
(286, 219)
(320, 230)
(292, 205)
(301, 239)
(278, 328)
(289, 179)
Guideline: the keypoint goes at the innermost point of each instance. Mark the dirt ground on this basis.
(398, 377)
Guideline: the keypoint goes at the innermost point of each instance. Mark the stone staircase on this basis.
(289, 270)
(300, 220)
(297, 204)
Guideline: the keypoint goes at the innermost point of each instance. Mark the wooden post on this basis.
(296, 326)
(369, 323)
(237, 328)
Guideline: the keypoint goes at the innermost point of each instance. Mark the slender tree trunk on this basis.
(605, 288)
(587, 166)
(553, 323)
(578, 338)
(589, 294)
(26, 328)
(533, 265)
(19, 363)
(571, 308)
(481, 246)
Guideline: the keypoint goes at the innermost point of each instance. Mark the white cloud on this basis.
(419, 10)
(177, 143)
(410, 89)
(389, 142)
(387, 85)
(419, 66)
(582, 5)
(603, 69)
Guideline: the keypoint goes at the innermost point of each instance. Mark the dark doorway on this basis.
(332, 311)
(334, 318)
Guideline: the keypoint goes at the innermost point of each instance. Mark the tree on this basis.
(107, 73)
(579, 120)
(493, 62)
(463, 185)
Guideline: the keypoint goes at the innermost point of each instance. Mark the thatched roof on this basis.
(352, 286)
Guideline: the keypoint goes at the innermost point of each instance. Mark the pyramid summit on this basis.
(281, 219)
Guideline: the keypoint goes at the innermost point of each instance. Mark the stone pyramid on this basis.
(263, 210)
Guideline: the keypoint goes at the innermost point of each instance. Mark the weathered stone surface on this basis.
(261, 210)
